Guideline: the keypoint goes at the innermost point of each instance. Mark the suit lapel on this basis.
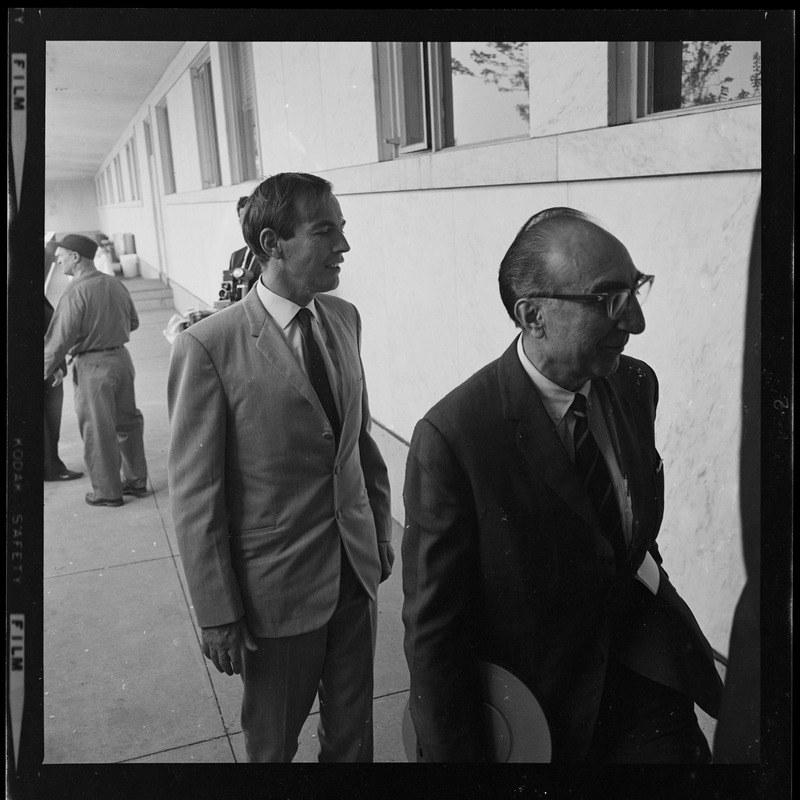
(346, 352)
(272, 344)
(629, 451)
(537, 438)
(644, 503)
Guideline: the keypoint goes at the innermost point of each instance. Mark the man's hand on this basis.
(57, 377)
(222, 645)
(386, 554)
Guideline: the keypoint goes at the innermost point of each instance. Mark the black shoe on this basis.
(135, 491)
(102, 501)
(67, 475)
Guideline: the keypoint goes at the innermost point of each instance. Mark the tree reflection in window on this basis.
(489, 85)
(687, 74)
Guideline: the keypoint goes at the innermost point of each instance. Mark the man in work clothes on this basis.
(92, 322)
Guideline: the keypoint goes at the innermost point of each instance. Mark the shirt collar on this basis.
(556, 399)
(283, 311)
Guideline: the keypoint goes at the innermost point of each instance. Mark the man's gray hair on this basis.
(524, 268)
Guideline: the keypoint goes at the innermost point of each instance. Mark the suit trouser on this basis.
(644, 722)
(282, 678)
(53, 404)
(111, 426)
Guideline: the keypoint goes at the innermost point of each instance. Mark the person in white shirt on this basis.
(280, 496)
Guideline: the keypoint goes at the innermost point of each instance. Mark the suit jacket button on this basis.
(327, 435)
(338, 514)
(337, 469)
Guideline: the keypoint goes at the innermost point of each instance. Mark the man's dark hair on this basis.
(281, 202)
(241, 203)
(524, 268)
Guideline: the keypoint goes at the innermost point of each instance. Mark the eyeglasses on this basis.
(617, 302)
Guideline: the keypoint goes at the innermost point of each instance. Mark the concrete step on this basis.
(152, 303)
(149, 293)
(134, 285)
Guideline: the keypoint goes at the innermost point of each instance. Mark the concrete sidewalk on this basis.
(124, 678)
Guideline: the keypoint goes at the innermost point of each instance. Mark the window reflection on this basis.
(688, 74)
(489, 90)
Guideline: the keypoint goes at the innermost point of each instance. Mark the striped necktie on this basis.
(596, 479)
(317, 372)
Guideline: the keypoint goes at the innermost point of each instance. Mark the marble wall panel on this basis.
(409, 237)
(348, 98)
(719, 140)
(569, 86)
(305, 116)
(517, 161)
(327, 109)
(272, 123)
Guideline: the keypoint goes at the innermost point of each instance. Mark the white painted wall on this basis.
(70, 206)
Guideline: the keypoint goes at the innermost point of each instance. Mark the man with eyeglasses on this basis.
(534, 493)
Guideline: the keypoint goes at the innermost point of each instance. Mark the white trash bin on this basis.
(130, 265)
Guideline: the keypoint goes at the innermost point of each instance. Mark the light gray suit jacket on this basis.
(261, 497)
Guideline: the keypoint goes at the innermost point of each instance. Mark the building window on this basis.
(448, 94)
(668, 77)
(205, 120)
(489, 97)
(240, 107)
(165, 147)
(133, 168)
(118, 178)
(100, 189)
(403, 76)
(109, 185)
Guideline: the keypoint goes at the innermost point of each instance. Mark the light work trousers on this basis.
(111, 426)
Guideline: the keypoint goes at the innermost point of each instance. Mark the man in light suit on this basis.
(508, 558)
(280, 496)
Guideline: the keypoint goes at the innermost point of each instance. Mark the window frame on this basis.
(436, 89)
(391, 86)
(244, 146)
(112, 197)
(205, 121)
(631, 68)
(165, 147)
(133, 168)
(118, 178)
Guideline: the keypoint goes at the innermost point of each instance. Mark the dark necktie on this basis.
(594, 473)
(317, 372)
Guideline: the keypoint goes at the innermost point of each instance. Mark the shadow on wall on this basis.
(738, 734)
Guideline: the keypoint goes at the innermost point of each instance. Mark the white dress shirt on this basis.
(284, 312)
(557, 402)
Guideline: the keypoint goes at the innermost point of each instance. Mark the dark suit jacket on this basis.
(503, 560)
(261, 497)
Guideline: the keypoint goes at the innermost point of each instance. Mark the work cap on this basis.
(82, 245)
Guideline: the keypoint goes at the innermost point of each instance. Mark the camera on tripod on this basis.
(234, 286)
